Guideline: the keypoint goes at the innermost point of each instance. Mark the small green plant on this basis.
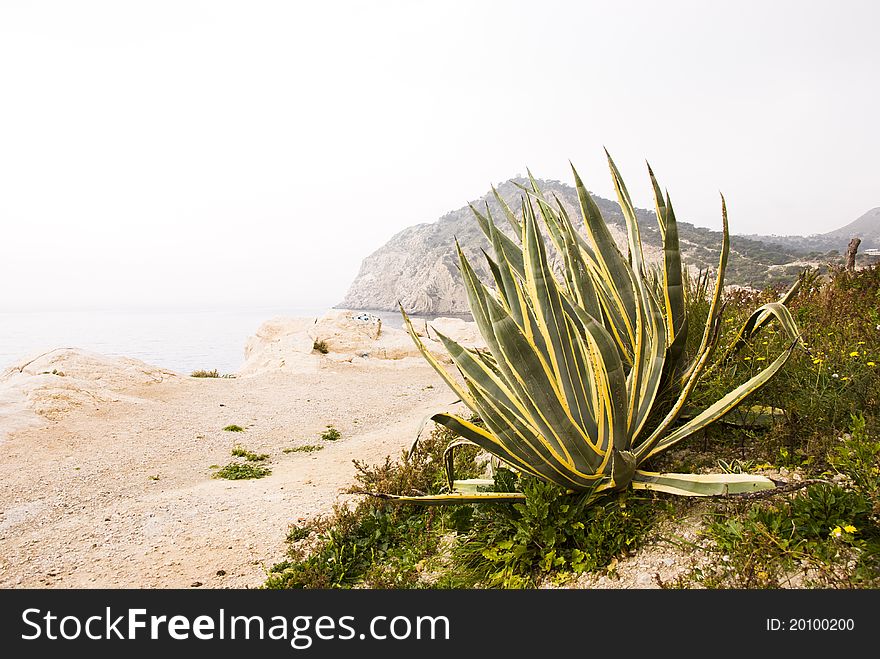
(297, 533)
(307, 448)
(205, 374)
(858, 457)
(250, 456)
(233, 428)
(237, 471)
(824, 507)
(320, 346)
(154, 477)
(331, 434)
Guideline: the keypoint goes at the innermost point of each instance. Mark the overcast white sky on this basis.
(252, 153)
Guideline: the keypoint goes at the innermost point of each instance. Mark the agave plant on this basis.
(585, 376)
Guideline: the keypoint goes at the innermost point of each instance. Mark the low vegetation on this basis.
(250, 456)
(205, 374)
(380, 544)
(331, 434)
(242, 470)
(233, 428)
(211, 374)
(822, 531)
(239, 471)
(321, 347)
(305, 448)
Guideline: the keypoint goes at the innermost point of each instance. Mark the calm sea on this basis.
(182, 341)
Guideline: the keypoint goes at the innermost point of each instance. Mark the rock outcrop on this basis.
(304, 345)
(47, 386)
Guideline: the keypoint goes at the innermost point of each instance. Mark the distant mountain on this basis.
(419, 268)
(866, 227)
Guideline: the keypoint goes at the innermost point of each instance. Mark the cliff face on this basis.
(419, 266)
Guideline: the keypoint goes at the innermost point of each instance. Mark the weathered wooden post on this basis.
(851, 253)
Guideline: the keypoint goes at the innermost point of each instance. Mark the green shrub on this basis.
(331, 434)
(205, 374)
(824, 507)
(858, 457)
(233, 428)
(551, 531)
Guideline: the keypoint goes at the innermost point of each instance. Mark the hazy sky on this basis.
(208, 153)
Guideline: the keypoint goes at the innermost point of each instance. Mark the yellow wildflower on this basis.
(871, 364)
(854, 353)
(837, 531)
(849, 528)
(747, 359)
(761, 359)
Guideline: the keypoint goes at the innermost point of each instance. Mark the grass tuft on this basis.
(307, 448)
(250, 456)
(237, 471)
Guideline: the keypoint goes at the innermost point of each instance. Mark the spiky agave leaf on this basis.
(575, 364)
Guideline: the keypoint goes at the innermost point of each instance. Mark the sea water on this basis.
(179, 340)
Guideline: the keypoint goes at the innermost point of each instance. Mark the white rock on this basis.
(459, 330)
(281, 344)
(287, 344)
(50, 384)
(278, 329)
(347, 331)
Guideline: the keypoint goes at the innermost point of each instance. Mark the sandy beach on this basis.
(106, 473)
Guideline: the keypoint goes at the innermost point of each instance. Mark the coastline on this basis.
(108, 461)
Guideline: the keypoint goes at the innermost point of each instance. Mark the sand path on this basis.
(120, 494)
